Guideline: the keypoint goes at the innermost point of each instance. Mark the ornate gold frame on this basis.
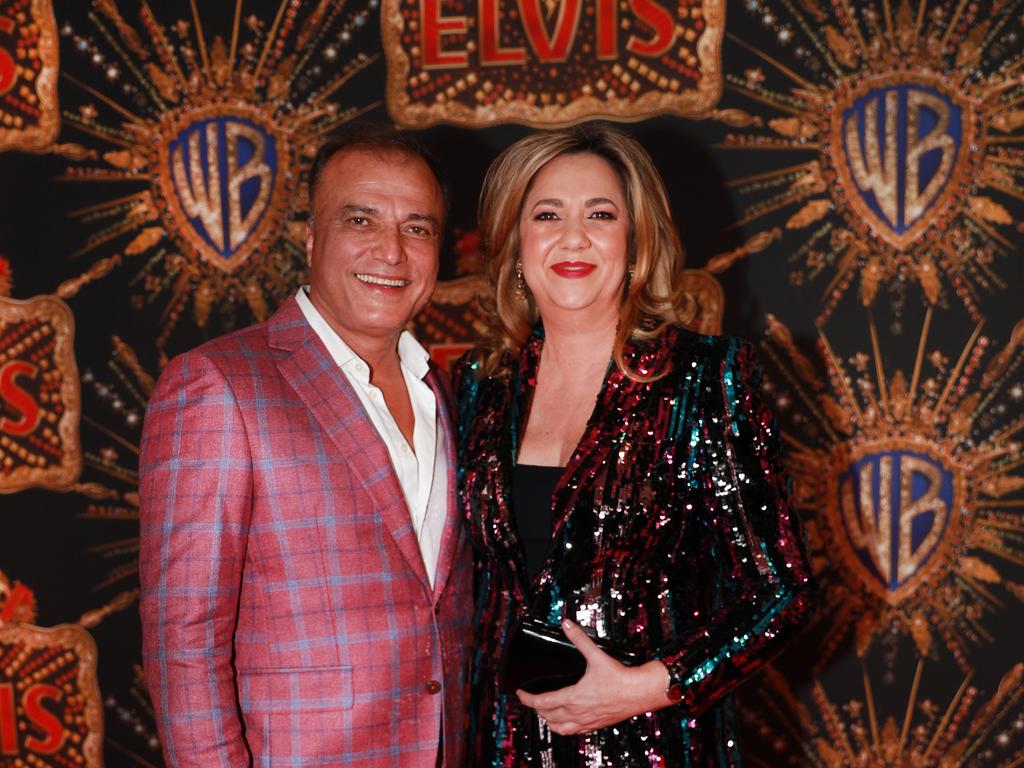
(76, 639)
(41, 137)
(52, 309)
(696, 103)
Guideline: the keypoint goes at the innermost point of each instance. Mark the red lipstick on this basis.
(573, 269)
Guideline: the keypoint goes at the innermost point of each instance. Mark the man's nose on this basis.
(391, 246)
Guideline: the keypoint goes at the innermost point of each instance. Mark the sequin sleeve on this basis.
(465, 385)
(754, 545)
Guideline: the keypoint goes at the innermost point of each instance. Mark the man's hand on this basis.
(608, 693)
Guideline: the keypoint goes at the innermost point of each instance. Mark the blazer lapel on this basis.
(323, 388)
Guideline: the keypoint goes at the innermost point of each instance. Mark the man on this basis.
(305, 581)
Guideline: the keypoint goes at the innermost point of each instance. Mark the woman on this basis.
(620, 475)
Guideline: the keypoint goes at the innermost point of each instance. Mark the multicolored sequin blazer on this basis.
(673, 535)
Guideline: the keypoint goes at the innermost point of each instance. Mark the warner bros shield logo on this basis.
(901, 147)
(897, 508)
(223, 182)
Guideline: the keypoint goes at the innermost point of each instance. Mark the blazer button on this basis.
(433, 687)
(437, 609)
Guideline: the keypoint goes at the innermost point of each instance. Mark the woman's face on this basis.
(574, 234)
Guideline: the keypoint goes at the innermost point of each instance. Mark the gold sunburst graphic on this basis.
(896, 127)
(909, 481)
(960, 728)
(211, 138)
(110, 484)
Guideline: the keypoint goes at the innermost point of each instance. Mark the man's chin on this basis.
(377, 325)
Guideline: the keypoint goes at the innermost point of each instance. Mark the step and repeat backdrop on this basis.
(847, 177)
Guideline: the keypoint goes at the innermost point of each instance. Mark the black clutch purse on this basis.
(539, 658)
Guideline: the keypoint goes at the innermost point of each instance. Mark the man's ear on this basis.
(309, 242)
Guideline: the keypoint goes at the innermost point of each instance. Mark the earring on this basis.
(520, 283)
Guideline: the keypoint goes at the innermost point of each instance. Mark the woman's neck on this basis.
(573, 365)
(576, 342)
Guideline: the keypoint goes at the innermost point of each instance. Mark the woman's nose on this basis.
(574, 235)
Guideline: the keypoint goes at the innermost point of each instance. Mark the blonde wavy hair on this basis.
(653, 295)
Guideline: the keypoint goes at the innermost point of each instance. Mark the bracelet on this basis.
(673, 691)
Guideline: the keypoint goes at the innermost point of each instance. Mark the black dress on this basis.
(532, 487)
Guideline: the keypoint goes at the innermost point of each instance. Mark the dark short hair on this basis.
(376, 139)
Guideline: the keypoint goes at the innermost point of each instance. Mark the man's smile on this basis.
(390, 282)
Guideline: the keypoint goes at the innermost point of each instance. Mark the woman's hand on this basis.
(608, 693)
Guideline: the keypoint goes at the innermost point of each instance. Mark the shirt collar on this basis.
(413, 355)
(410, 352)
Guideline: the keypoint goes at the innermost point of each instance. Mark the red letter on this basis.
(21, 400)
(658, 19)
(607, 29)
(43, 719)
(565, 29)
(490, 38)
(8, 725)
(6, 62)
(434, 28)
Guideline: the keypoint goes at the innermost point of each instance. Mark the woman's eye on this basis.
(608, 215)
(546, 216)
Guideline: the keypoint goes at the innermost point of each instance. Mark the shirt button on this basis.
(433, 687)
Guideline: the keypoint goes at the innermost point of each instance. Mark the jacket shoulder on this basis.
(466, 377)
(468, 371)
(685, 349)
(683, 340)
(232, 356)
(252, 339)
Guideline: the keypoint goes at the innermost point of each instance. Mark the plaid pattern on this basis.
(287, 616)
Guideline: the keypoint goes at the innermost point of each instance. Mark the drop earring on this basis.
(520, 283)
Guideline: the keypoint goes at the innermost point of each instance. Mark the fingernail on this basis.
(566, 624)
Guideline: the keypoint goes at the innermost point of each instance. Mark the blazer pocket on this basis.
(302, 715)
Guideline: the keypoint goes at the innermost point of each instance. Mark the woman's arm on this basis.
(755, 553)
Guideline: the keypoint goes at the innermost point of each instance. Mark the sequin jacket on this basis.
(673, 535)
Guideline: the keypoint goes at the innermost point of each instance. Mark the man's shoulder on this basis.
(245, 354)
(246, 343)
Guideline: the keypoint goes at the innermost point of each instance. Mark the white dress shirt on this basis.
(423, 473)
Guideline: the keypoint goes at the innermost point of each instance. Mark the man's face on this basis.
(373, 243)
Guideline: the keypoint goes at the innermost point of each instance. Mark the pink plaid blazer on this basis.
(286, 612)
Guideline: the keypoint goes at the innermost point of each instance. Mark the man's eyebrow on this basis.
(353, 208)
(422, 217)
